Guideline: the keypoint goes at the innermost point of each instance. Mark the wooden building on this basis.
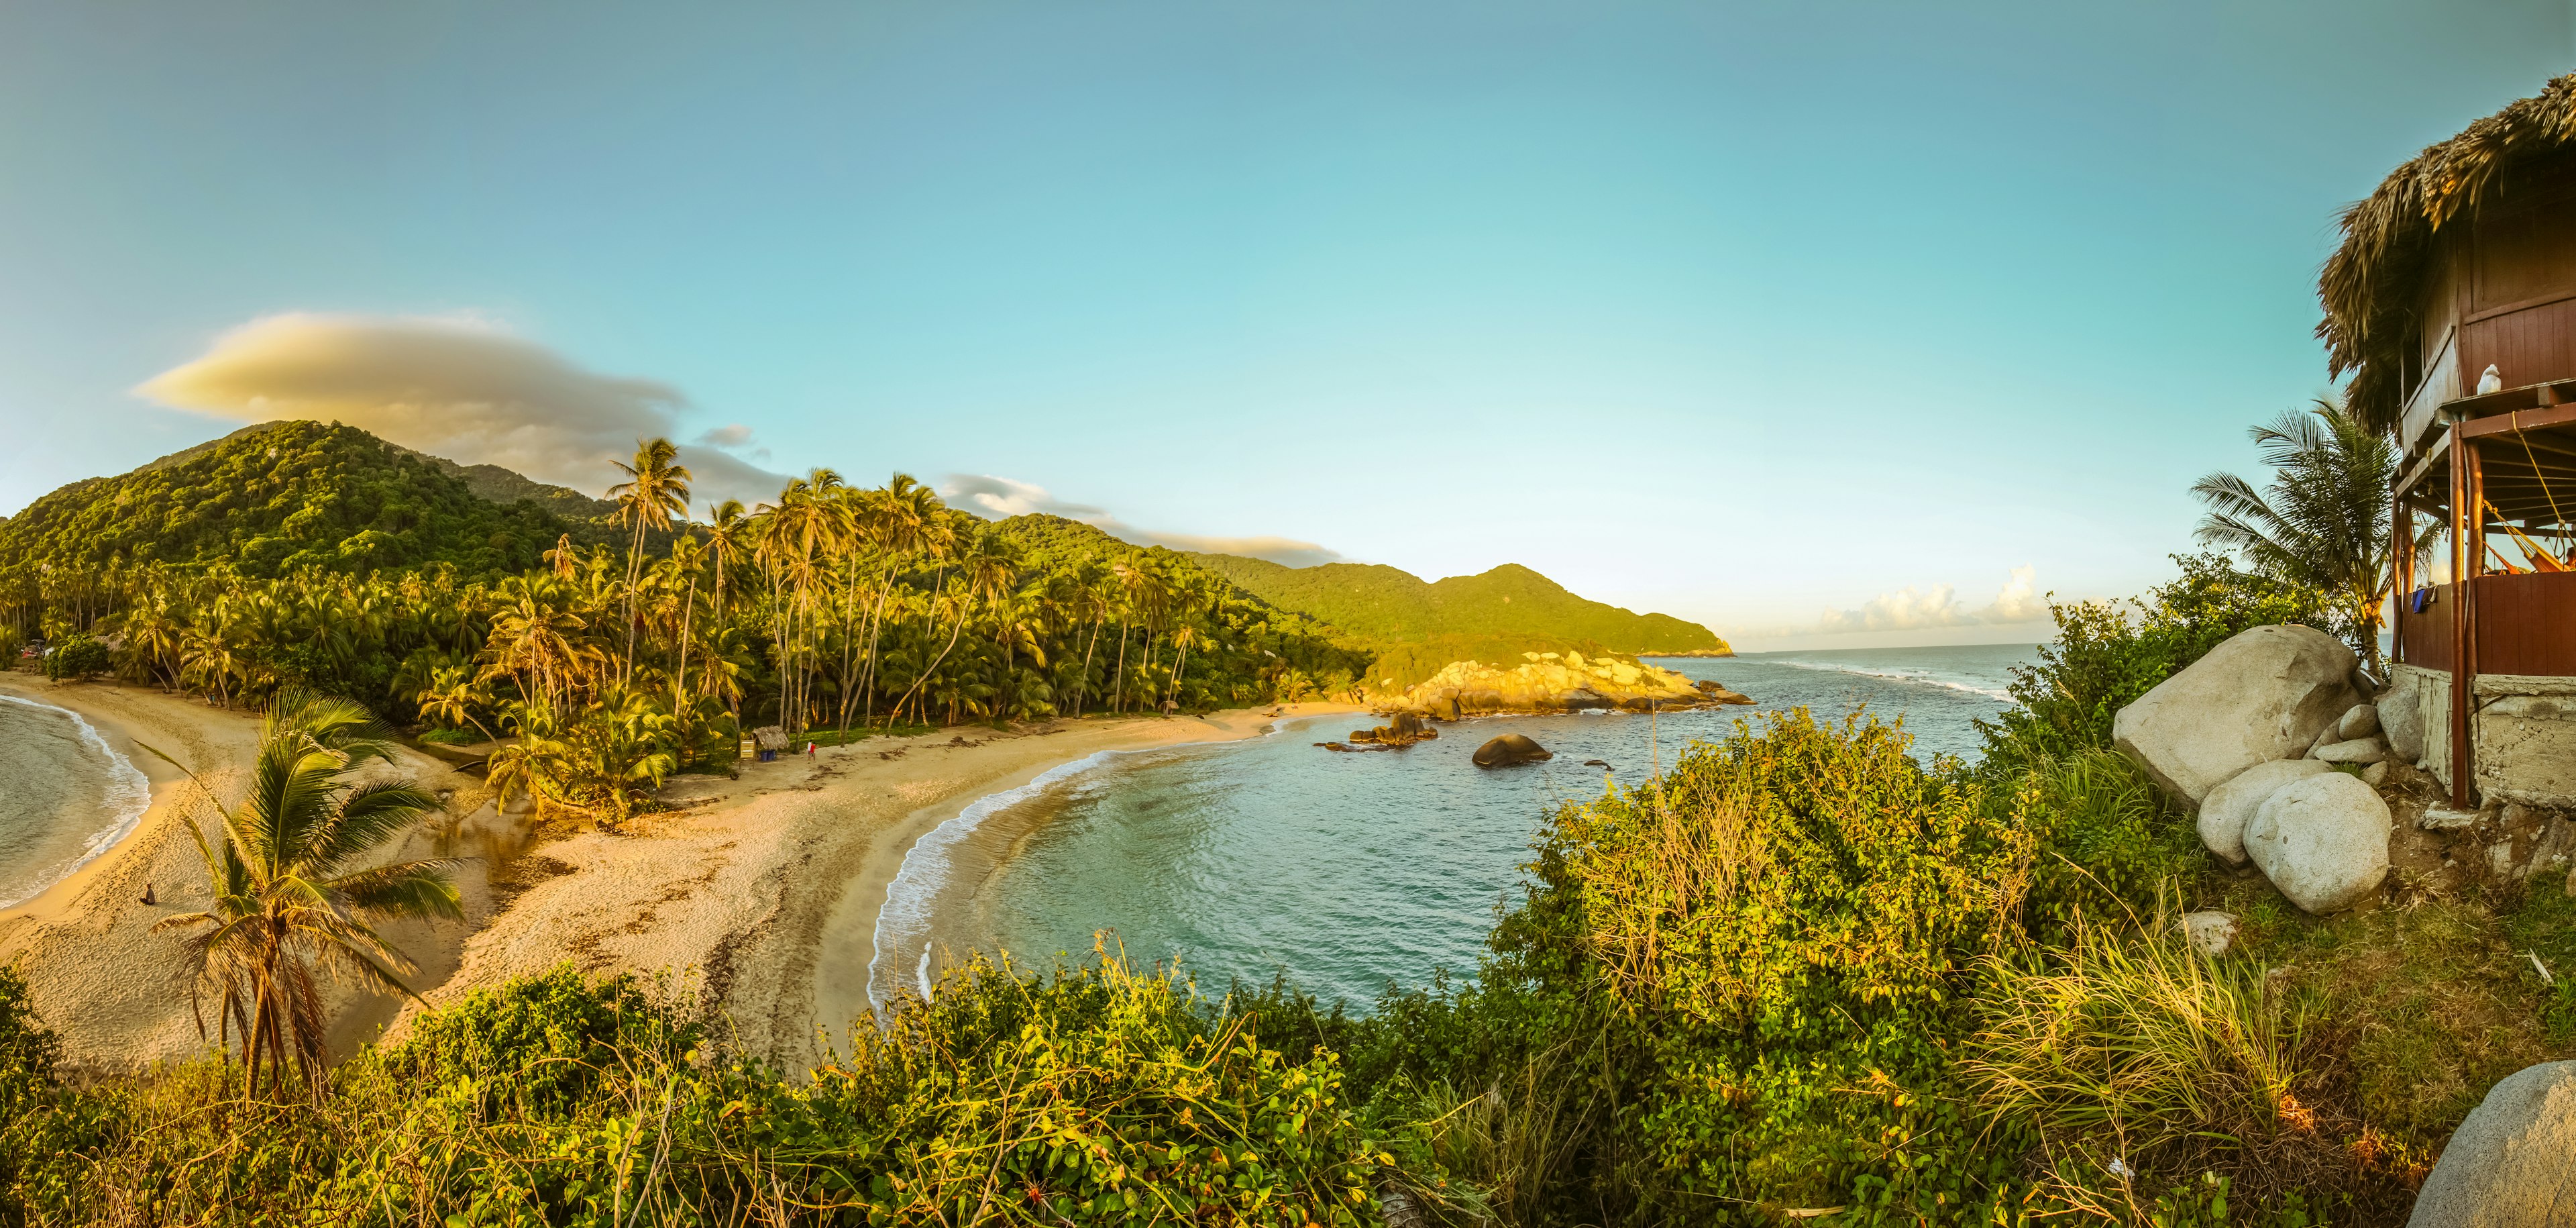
(2460, 270)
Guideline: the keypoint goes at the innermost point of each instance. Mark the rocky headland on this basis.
(1554, 682)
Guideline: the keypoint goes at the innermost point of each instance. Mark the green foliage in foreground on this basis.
(1092, 1097)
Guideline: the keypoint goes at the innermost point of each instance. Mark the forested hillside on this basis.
(1414, 627)
(280, 497)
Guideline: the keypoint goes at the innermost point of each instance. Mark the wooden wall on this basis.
(2523, 626)
(2502, 290)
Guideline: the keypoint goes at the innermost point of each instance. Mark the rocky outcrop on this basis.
(2229, 807)
(2322, 840)
(1509, 750)
(2508, 1165)
(2265, 694)
(1404, 729)
(1550, 682)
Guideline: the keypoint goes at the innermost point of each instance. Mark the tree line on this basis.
(833, 610)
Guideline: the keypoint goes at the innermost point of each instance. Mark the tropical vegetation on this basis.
(1413, 628)
(2322, 522)
(606, 667)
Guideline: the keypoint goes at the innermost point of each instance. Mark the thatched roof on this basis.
(2369, 286)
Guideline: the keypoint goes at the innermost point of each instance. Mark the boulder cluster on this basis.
(1556, 682)
(2250, 735)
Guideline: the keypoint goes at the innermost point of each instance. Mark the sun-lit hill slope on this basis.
(282, 495)
(1416, 626)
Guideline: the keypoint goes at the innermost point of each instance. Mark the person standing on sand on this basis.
(809, 753)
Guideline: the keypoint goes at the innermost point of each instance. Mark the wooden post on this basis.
(2401, 574)
(2466, 500)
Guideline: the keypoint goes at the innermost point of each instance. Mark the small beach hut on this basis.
(768, 741)
(2452, 305)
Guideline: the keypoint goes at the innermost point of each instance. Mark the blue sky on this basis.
(1756, 314)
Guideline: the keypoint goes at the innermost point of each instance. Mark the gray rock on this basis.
(2229, 807)
(1510, 749)
(2322, 840)
(2358, 750)
(2508, 1165)
(2210, 932)
(2376, 774)
(2360, 722)
(2401, 717)
(2264, 694)
(2331, 735)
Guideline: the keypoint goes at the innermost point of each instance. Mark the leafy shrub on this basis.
(2105, 656)
(76, 660)
(1096, 1096)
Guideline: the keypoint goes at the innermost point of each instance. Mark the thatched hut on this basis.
(2452, 304)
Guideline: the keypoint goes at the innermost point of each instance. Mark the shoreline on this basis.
(126, 782)
(115, 991)
(919, 906)
(758, 895)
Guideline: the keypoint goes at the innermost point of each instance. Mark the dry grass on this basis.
(2129, 1048)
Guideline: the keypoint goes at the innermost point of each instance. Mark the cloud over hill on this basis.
(461, 388)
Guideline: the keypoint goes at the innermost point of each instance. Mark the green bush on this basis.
(2105, 656)
(76, 660)
(1096, 1096)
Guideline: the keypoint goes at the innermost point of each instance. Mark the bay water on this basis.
(1244, 860)
(65, 796)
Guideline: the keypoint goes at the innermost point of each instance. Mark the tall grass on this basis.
(2133, 1053)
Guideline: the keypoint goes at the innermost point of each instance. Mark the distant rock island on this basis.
(1554, 682)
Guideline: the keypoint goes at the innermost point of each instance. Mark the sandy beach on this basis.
(757, 896)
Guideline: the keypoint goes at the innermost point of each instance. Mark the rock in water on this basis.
(1509, 749)
(2322, 840)
(2229, 807)
(2507, 1165)
(2401, 717)
(2264, 694)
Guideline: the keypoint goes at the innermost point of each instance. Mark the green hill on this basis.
(1415, 627)
(281, 495)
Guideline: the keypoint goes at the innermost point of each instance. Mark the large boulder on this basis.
(2509, 1164)
(2401, 715)
(1509, 749)
(2264, 694)
(2229, 807)
(2322, 840)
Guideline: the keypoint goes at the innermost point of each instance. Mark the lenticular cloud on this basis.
(463, 389)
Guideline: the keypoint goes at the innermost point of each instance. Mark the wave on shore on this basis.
(122, 796)
(1894, 674)
(906, 913)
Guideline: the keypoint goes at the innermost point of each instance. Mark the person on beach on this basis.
(809, 753)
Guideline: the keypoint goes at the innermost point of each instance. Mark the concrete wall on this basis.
(2524, 735)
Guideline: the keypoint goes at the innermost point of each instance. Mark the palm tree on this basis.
(655, 490)
(2324, 519)
(291, 895)
(451, 698)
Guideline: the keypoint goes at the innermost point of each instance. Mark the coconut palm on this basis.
(2323, 521)
(655, 491)
(292, 895)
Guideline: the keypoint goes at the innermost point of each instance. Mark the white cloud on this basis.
(988, 495)
(1912, 609)
(460, 388)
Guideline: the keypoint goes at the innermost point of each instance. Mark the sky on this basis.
(1821, 323)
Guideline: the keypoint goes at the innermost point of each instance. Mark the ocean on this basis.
(1244, 860)
(65, 796)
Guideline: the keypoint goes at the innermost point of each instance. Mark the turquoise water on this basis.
(65, 796)
(1347, 871)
